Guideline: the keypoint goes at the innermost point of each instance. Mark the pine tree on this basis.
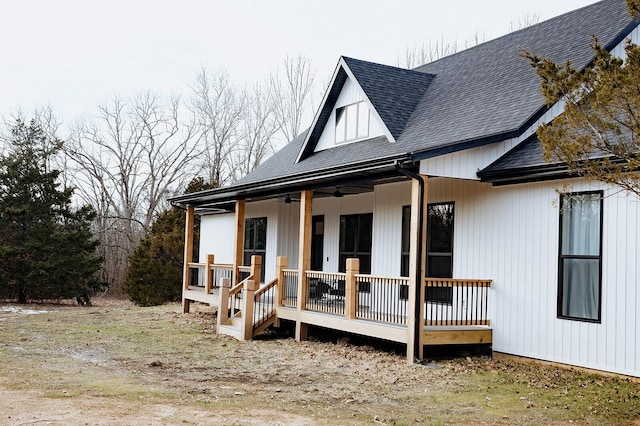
(155, 270)
(47, 250)
(598, 134)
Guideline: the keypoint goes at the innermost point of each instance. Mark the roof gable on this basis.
(391, 94)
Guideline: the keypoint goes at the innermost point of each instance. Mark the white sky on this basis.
(76, 54)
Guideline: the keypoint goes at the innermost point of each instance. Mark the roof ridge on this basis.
(532, 27)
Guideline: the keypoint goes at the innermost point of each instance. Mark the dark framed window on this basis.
(580, 256)
(355, 242)
(440, 218)
(255, 241)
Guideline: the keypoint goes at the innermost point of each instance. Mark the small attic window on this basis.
(352, 122)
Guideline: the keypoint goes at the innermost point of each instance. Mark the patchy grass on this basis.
(124, 356)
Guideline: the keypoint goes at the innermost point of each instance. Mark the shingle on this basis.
(528, 154)
(491, 89)
(283, 163)
(394, 92)
(484, 91)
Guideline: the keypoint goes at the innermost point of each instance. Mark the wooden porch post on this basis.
(415, 314)
(247, 309)
(304, 255)
(223, 301)
(207, 274)
(256, 268)
(281, 265)
(239, 241)
(351, 288)
(188, 254)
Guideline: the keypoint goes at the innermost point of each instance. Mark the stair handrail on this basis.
(265, 288)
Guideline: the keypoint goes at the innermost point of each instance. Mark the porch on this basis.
(351, 302)
(363, 298)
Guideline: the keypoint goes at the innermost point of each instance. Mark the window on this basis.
(352, 122)
(439, 249)
(580, 257)
(355, 242)
(255, 241)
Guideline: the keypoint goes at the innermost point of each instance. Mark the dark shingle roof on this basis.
(522, 163)
(282, 163)
(394, 92)
(486, 93)
(491, 89)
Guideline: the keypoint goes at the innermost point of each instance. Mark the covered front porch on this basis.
(412, 309)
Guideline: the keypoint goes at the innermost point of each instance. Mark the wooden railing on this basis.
(196, 274)
(450, 301)
(235, 299)
(208, 282)
(218, 272)
(244, 272)
(326, 291)
(264, 300)
(230, 300)
(354, 296)
(382, 299)
(289, 288)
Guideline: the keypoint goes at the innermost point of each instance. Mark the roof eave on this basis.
(287, 184)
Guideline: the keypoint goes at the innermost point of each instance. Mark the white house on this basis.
(436, 172)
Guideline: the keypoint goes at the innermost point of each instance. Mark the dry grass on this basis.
(156, 366)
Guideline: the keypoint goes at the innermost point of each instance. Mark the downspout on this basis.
(418, 321)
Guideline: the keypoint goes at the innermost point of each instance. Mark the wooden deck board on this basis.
(457, 335)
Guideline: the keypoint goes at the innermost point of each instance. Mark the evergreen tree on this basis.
(155, 270)
(598, 134)
(47, 250)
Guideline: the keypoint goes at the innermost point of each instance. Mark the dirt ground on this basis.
(115, 363)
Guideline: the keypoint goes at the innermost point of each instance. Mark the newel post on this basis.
(256, 268)
(208, 276)
(223, 301)
(281, 265)
(351, 288)
(247, 309)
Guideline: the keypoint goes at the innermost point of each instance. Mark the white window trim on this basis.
(360, 104)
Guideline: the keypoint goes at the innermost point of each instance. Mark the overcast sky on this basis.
(76, 54)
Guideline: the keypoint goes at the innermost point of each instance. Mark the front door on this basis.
(255, 241)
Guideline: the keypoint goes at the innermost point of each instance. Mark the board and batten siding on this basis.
(332, 208)
(217, 234)
(288, 229)
(387, 224)
(510, 234)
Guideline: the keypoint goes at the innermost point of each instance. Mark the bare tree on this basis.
(219, 108)
(432, 51)
(259, 126)
(525, 21)
(292, 95)
(125, 163)
(425, 53)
